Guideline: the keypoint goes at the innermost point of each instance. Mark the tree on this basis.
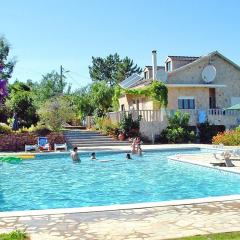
(6, 67)
(82, 102)
(126, 68)
(101, 97)
(20, 101)
(50, 86)
(104, 69)
(56, 111)
(112, 69)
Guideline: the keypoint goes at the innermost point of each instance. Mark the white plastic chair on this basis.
(62, 146)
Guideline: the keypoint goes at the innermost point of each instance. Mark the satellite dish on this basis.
(209, 73)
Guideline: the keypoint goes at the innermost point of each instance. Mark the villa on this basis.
(207, 84)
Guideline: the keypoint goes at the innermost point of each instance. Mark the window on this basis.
(169, 66)
(186, 103)
(146, 75)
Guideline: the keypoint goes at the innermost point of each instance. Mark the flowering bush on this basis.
(228, 138)
(3, 89)
(4, 128)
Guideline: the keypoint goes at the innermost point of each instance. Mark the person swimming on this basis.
(93, 156)
(128, 156)
(74, 155)
(134, 146)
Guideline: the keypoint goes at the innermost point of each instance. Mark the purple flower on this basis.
(3, 89)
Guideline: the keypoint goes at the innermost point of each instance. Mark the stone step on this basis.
(95, 141)
(83, 138)
(99, 145)
(92, 141)
(81, 131)
(84, 135)
(74, 127)
(90, 138)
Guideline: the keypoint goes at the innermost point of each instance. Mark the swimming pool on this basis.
(54, 181)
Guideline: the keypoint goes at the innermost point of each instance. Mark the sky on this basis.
(46, 34)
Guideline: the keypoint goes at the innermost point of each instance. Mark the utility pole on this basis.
(62, 71)
(61, 77)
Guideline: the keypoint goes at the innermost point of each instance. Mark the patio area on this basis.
(205, 159)
(154, 223)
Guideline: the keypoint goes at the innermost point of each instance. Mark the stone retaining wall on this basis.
(17, 141)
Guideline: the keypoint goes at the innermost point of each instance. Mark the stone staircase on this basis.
(85, 138)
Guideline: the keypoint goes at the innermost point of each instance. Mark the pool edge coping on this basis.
(118, 207)
(155, 147)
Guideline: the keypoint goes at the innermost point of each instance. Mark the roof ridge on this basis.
(180, 56)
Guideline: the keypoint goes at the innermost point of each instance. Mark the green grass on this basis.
(218, 236)
(15, 235)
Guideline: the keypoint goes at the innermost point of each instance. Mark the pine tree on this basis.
(112, 69)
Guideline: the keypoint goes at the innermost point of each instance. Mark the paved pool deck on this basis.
(206, 160)
(145, 221)
(152, 223)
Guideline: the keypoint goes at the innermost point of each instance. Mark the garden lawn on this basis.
(15, 235)
(217, 236)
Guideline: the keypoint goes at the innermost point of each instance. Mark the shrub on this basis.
(56, 111)
(14, 235)
(106, 126)
(22, 130)
(228, 138)
(129, 126)
(40, 130)
(178, 130)
(98, 122)
(5, 129)
(238, 128)
(208, 131)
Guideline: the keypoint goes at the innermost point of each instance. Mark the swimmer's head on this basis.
(75, 149)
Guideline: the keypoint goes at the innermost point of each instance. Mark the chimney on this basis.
(154, 63)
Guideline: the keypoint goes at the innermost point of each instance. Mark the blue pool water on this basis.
(57, 182)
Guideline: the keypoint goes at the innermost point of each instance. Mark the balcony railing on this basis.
(160, 115)
(146, 115)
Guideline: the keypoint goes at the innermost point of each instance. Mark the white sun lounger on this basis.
(30, 148)
(60, 146)
(223, 160)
